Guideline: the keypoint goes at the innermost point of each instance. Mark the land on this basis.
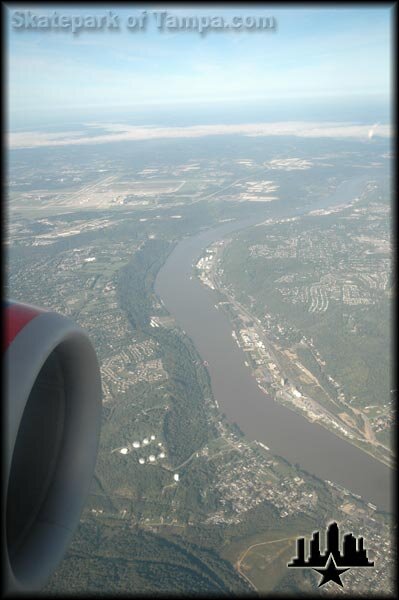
(181, 500)
(309, 299)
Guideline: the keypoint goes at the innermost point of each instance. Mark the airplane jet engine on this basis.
(51, 433)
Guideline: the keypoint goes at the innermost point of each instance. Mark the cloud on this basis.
(371, 131)
(121, 133)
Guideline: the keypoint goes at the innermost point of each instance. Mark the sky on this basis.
(314, 53)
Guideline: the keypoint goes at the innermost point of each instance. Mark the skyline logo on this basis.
(332, 563)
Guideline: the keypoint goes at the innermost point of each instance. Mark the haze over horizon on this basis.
(324, 64)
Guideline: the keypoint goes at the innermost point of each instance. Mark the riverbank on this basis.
(288, 434)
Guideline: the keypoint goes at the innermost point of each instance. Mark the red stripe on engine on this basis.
(16, 316)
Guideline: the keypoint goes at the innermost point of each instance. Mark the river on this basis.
(287, 433)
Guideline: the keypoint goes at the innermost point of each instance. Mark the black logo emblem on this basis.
(332, 563)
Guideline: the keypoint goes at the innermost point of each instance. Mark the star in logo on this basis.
(330, 572)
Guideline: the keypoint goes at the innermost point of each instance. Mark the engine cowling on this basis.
(52, 425)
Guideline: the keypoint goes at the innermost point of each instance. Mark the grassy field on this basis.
(263, 558)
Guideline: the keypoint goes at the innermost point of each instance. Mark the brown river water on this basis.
(288, 434)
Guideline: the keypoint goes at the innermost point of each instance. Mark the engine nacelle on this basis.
(52, 425)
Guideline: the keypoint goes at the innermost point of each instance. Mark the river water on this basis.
(287, 433)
